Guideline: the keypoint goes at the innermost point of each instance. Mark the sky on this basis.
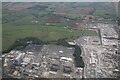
(59, 0)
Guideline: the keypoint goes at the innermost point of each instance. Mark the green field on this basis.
(45, 33)
(18, 21)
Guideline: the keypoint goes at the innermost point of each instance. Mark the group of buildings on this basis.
(52, 61)
(47, 61)
(100, 52)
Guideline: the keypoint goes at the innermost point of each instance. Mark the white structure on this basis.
(19, 56)
(109, 42)
(71, 43)
(66, 59)
(108, 32)
(37, 64)
(93, 59)
(26, 60)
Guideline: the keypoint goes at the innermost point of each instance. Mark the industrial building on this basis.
(47, 61)
(109, 32)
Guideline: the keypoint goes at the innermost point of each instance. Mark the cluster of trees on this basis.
(62, 42)
(78, 59)
(22, 43)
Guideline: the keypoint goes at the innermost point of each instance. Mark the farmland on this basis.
(24, 13)
(45, 33)
(22, 20)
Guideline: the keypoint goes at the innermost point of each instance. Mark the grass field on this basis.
(45, 33)
(20, 22)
